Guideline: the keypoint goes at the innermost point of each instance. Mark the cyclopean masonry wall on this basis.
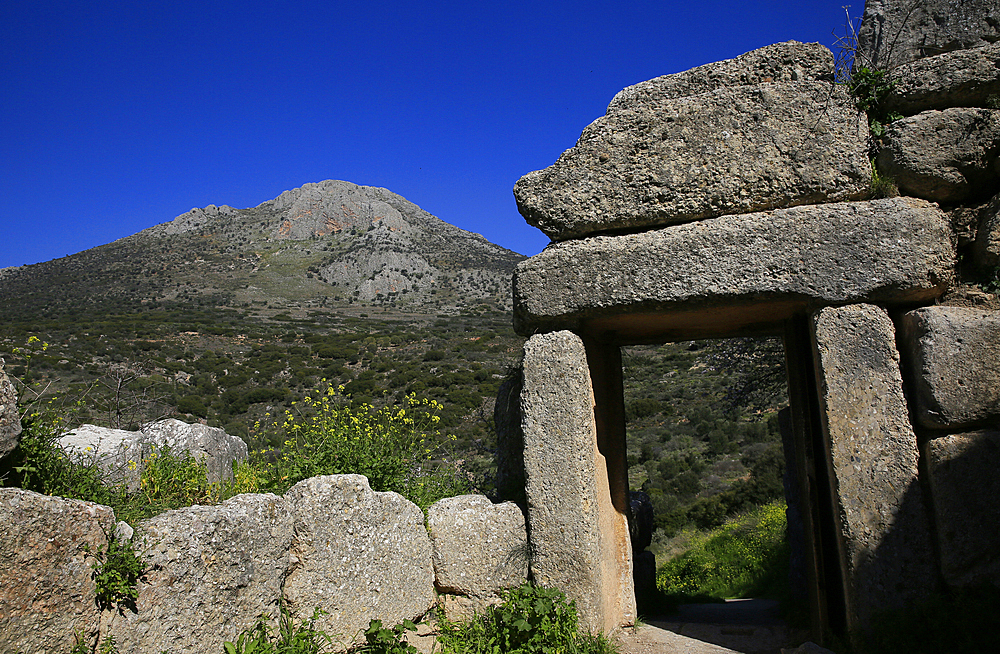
(729, 201)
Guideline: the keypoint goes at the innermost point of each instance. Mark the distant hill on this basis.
(330, 245)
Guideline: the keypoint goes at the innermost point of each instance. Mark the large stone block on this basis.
(966, 78)
(954, 357)
(480, 549)
(120, 453)
(212, 570)
(733, 150)
(884, 536)
(579, 541)
(46, 588)
(895, 32)
(658, 159)
(735, 271)
(10, 417)
(965, 491)
(944, 156)
(358, 555)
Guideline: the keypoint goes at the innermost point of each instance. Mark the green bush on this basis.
(530, 619)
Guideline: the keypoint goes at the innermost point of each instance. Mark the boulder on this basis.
(479, 549)
(579, 540)
(896, 32)
(954, 356)
(46, 587)
(986, 249)
(735, 271)
(732, 150)
(121, 454)
(965, 78)
(10, 417)
(212, 570)
(944, 156)
(357, 554)
(966, 491)
(886, 554)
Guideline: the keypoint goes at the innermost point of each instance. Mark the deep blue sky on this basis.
(116, 116)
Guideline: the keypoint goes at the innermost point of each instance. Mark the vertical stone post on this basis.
(574, 526)
(884, 540)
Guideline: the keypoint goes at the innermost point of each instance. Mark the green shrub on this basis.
(291, 637)
(530, 619)
(117, 570)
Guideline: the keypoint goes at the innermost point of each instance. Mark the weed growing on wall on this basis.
(117, 570)
(290, 637)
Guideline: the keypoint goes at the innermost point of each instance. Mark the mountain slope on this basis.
(330, 244)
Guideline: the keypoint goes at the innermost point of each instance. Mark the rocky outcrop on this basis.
(579, 540)
(966, 78)
(732, 150)
(10, 417)
(944, 156)
(965, 486)
(121, 454)
(754, 267)
(358, 555)
(896, 32)
(954, 356)
(883, 532)
(479, 549)
(46, 588)
(212, 570)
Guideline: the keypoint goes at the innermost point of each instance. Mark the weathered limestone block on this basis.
(358, 555)
(782, 62)
(884, 535)
(954, 354)
(944, 156)
(965, 490)
(46, 589)
(212, 570)
(212, 445)
(480, 549)
(580, 542)
(966, 78)
(895, 32)
(120, 453)
(741, 269)
(10, 417)
(986, 250)
(657, 160)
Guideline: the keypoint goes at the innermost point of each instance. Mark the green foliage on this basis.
(530, 619)
(744, 557)
(882, 186)
(291, 637)
(381, 640)
(116, 571)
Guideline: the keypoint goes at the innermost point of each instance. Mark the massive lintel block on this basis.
(885, 549)
(725, 138)
(579, 540)
(735, 273)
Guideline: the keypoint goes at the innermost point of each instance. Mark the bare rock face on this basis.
(579, 539)
(120, 453)
(728, 151)
(480, 549)
(944, 156)
(896, 32)
(10, 417)
(955, 358)
(966, 78)
(986, 250)
(358, 555)
(749, 268)
(966, 490)
(46, 589)
(212, 570)
(884, 535)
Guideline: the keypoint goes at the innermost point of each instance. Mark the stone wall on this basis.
(329, 542)
(684, 213)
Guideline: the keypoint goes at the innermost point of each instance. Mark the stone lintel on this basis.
(738, 274)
